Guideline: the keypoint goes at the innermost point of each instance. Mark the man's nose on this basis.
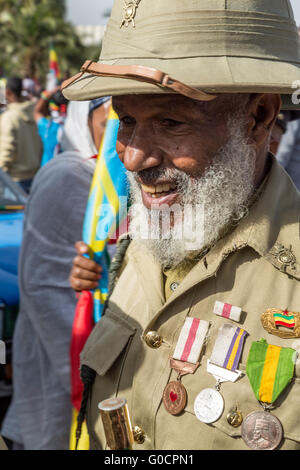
(141, 152)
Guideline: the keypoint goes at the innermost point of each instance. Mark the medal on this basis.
(269, 369)
(184, 361)
(174, 397)
(262, 431)
(209, 403)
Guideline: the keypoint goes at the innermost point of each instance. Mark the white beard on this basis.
(218, 197)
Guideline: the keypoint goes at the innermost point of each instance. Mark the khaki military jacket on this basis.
(21, 147)
(255, 267)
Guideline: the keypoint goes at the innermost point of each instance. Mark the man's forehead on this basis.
(162, 101)
(172, 101)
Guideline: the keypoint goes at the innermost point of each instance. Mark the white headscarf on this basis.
(76, 134)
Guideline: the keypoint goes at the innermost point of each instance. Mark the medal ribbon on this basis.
(227, 311)
(269, 369)
(228, 347)
(191, 339)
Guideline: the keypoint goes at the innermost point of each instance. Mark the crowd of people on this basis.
(234, 150)
(55, 169)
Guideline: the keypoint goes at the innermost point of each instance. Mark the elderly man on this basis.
(201, 326)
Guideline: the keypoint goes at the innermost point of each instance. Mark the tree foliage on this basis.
(27, 28)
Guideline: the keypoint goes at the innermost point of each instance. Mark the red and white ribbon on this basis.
(227, 311)
(191, 339)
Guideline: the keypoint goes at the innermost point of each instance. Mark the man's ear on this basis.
(263, 110)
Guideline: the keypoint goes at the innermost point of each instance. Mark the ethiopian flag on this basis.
(106, 208)
(105, 212)
(53, 76)
(284, 319)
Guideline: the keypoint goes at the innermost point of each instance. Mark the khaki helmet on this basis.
(197, 48)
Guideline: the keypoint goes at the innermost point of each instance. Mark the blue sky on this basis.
(79, 13)
(88, 12)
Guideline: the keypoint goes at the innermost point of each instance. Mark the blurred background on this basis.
(28, 28)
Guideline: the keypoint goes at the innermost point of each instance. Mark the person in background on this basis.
(20, 144)
(49, 114)
(288, 152)
(29, 89)
(76, 136)
(39, 416)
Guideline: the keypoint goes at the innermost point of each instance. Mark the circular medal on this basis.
(209, 405)
(262, 431)
(174, 398)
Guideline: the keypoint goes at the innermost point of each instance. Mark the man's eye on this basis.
(171, 123)
(127, 121)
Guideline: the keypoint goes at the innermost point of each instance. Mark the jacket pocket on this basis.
(106, 342)
(241, 395)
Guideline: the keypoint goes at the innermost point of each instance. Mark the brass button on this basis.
(235, 418)
(138, 435)
(153, 339)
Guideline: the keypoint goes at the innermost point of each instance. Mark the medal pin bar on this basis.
(184, 361)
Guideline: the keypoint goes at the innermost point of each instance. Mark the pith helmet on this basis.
(194, 47)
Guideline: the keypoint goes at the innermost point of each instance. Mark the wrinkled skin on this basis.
(171, 131)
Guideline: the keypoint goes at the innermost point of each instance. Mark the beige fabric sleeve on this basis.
(8, 141)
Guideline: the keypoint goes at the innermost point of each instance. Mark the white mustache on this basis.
(224, 191)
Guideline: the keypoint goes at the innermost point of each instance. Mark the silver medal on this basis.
(209, 405)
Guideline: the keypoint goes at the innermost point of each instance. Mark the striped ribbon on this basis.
(228, 347)
(191, 339)
(227, 311)
(269, 369)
